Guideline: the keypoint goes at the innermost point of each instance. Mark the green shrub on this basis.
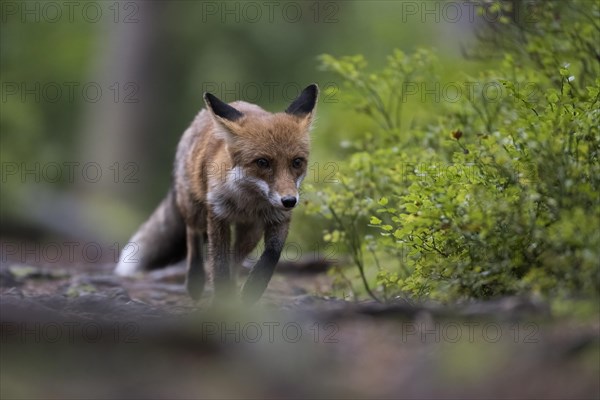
(495, 194)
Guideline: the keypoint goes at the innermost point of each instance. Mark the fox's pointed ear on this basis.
(221, 109)
(225, 116)
(304, 105)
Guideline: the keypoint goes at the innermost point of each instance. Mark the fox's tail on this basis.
(157, 243)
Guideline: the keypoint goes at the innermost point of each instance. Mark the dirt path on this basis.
(80, 332)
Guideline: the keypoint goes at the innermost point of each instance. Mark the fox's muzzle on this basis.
(289, 201)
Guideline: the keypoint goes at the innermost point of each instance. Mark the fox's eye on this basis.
(297, 163)
(262, 163)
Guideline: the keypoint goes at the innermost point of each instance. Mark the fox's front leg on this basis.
(219, 238)
(247, 236)
(262, 272)
(195, 276)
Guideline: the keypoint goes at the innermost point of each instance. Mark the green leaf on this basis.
(375, 221)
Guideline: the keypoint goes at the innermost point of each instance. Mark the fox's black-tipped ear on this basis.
(305, 103)
(221, 109)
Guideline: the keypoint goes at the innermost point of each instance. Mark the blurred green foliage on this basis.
(172, 51)
(495, 193)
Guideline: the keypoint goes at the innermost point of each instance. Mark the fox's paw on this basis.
(253, 290)
(194, 283)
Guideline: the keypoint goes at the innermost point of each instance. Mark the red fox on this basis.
(239, 165)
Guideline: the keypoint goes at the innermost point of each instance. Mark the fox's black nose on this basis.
(288, 201)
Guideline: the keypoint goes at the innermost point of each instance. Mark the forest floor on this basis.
(78, 331)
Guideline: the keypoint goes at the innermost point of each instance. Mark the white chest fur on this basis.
(241, 198)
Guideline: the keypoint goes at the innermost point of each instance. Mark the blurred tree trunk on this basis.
(119, 127)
